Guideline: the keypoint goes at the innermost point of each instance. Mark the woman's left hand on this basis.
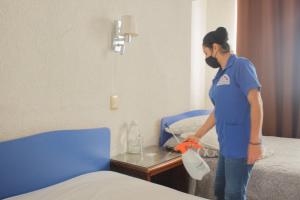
(254, 153)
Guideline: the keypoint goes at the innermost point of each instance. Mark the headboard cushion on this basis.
(37, 161)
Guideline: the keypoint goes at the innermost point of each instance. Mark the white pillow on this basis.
(211, 138)
(191, 124)
(172, 142)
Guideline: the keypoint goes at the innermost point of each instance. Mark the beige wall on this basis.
(56, 67)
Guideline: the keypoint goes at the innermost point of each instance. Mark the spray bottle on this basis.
(192, 161)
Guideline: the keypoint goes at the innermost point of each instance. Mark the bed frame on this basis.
(37, 161)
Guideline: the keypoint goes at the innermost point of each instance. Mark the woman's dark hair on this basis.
(219, 36)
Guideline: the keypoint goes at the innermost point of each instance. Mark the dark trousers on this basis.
(232, 178)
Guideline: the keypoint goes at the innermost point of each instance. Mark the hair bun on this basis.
(221, 35)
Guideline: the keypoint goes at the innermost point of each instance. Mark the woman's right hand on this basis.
(193, 138)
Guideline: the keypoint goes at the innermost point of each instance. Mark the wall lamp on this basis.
(124, 31)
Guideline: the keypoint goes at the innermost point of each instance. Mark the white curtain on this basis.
(207, 15)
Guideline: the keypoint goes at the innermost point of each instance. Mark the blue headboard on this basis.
(167, 121)
(37, 161)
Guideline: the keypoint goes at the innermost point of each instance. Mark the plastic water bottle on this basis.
(134, 139)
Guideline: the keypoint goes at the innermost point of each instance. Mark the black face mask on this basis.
(213, 62)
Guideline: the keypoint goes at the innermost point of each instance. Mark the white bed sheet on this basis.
(105, 185)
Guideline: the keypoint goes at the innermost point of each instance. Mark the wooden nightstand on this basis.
(156, 165)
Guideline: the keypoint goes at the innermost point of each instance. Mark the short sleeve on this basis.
(247, 77)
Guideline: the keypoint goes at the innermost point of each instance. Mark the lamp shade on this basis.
(128, 25)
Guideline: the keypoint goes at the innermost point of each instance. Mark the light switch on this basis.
(114, 102)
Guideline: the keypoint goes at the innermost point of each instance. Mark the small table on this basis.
(156, 165)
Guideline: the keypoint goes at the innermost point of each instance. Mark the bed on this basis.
(276, 177)
(70, 164)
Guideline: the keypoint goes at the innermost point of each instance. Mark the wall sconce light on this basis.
(124, 30)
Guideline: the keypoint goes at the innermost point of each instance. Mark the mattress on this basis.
(105, 185)
(276, 177)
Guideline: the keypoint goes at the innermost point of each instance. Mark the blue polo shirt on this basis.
(228, 93)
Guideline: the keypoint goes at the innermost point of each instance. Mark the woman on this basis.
(237, 115)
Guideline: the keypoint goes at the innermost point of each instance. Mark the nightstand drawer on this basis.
(131, 170)
(157, 165)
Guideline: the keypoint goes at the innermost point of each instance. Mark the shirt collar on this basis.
(230, 61)
(229, 64)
